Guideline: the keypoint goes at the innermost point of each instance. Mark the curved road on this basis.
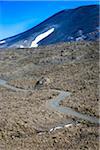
(54, 104)
(4, 83)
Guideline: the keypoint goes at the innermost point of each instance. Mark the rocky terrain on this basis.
(25, 120)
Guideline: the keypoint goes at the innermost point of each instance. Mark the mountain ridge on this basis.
(64, 30)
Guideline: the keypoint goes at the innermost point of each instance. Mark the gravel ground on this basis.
(24, 118)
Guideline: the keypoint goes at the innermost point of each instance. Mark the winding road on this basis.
(4, 83)
(55, 104)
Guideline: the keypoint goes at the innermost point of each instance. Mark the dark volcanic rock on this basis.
(77, 24)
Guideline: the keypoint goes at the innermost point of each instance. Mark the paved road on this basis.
(54, 104)
(4, 83)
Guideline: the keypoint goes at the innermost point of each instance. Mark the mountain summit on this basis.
(77, 24)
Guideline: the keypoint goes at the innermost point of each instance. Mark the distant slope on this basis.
(77, 24)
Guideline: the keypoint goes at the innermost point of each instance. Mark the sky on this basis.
(19, 16)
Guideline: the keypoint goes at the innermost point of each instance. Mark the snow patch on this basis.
(68, 125)
(57, 128)
(34, 44)
(40, 37)
(2, 42)
(25, 41)
(51, 129)
(81, 38)
(21, 46)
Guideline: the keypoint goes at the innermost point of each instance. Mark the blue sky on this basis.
(18, 16)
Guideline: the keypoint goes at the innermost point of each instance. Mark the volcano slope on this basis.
(25, 120)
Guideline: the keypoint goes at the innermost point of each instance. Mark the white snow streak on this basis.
(21, 46)
(2, 42)
(40, 37)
